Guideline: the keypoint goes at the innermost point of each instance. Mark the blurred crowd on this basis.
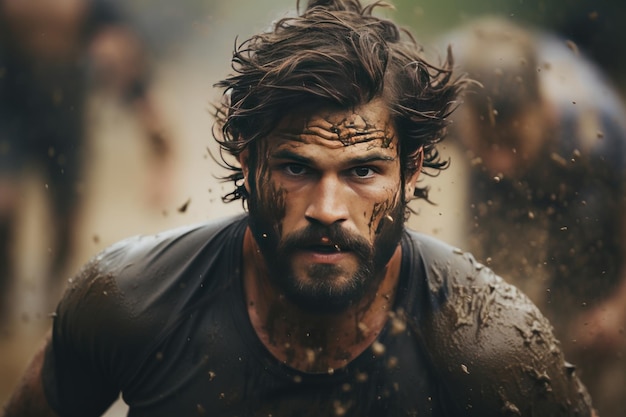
(538, 145)
(52, 54)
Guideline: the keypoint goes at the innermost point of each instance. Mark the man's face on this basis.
(327, 204)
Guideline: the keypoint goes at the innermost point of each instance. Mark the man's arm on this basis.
(492, 350)
(29, 398)
(496, 354)
(75, 371)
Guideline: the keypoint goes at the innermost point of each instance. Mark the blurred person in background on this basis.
(52, 53)
(597, 29)
(545, 136)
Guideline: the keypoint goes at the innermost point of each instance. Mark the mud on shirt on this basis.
(162, 319)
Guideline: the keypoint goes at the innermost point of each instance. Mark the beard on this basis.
(327, 288)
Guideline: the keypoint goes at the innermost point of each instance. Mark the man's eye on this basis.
(295, 169)
(363, 172)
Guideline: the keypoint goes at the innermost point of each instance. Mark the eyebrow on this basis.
(373, 157)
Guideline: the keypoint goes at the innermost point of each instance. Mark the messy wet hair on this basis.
(336, 53)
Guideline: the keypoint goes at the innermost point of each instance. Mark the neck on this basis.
(314, 342)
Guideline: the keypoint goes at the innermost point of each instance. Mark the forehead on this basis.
(369, 125)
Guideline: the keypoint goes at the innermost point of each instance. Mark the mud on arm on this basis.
(495, 353)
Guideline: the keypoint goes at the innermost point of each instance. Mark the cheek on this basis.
(383, 213)
(274, 199)
(269, 201)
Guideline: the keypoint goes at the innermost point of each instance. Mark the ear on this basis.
(244, 161)
(409, 186)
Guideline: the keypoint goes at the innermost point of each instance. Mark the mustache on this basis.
(333, 235)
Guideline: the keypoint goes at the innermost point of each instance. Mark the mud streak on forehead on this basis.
(348, 131)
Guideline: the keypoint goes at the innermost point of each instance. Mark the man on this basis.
(546, 139)
(51, 53)
(318, 302)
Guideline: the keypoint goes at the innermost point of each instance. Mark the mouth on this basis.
(329, 248)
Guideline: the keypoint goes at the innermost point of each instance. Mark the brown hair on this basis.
(335, 53)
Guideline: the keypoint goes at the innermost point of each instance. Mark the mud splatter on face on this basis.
(353, 130)
(389, 229)
(378, 213)
(350, 130)
(267, 202)
(355, 153)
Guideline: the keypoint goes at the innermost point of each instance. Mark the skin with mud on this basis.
(329, 185)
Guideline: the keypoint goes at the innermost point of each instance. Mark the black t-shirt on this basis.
(162, 319)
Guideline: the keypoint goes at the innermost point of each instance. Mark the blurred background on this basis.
(144, 126)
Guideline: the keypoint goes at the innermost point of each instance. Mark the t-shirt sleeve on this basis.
(492, 350)
(86, 359)
(122, 306)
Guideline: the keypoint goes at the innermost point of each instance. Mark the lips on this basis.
(322, 254)
(324, 248)
(324, 243)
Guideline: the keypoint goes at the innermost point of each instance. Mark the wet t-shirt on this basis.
(162, 320)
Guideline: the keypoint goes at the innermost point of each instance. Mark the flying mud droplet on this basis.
(185, 206)
(572, 46)
(378, 348)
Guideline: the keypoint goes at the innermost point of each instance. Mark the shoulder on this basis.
(156, 257)
(142, 253)
(134, 287)
(127, 300)
(490, 346)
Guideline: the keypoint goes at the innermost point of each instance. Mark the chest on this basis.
(215, 366)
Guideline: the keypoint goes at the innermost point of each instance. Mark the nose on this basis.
(328, 203)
